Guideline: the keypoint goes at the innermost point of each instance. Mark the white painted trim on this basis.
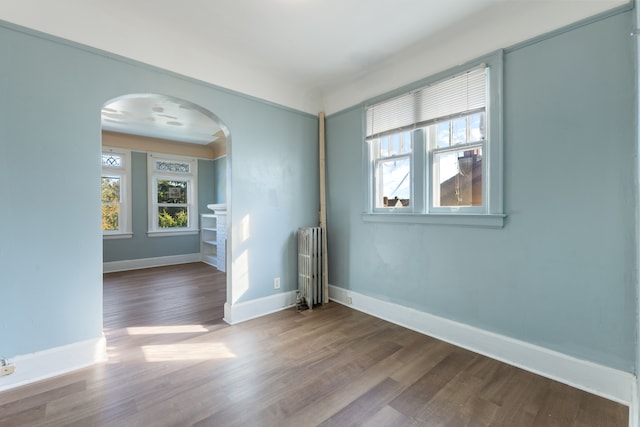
(136, 264)
(241, 312)
(172, 233)
(117, 236)
(588, 376)
(54, 361)
(467, 220)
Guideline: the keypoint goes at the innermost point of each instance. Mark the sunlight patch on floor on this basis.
(157, 330)
(194, 351)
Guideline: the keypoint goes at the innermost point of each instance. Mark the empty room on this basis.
(469, 169)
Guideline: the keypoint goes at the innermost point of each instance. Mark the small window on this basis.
(173, 192)
(438, 149)
(116, 191)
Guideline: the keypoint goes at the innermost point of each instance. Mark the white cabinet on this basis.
(213, 237)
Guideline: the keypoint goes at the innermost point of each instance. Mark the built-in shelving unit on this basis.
(213, 236)
(209, 239)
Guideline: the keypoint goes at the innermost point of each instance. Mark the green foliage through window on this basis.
(169, 217)
(110, 203)
(172, 191)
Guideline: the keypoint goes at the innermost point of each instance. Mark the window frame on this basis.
(123, 173)
(154, 175)
(433, 151)
(378, 158)
(491, 213)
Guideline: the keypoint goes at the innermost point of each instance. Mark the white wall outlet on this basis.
(276, 283)
(349, 301)
(6, 370)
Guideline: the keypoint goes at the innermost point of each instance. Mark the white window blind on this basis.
(456, 96)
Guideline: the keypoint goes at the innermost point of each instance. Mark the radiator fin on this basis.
(310, 266)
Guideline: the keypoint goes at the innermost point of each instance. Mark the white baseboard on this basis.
(54, 361)
(588, 376)
(241, 312)
(135, 264)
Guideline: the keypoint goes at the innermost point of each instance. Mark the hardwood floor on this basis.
(174, 362)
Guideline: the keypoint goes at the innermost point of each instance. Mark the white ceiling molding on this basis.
(309, 55)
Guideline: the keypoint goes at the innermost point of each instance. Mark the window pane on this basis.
(165, 166)
(406, 142)
(110, 213)
(443, 134)
(110, 189)
(112, 160)
(394, 182)
(395, 145)
(458, 178)
(170, 217)
(476, 127)
(172, 192)
(384, 146)
(459, 127)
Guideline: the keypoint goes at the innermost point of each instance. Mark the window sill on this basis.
(172, 233)
(117, 236)
(466, 220)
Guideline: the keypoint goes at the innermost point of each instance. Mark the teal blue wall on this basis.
(51, 93)
(637, 279)
(220, 180)
(140, 245)
(274, 191)
(560, 274)
(206, 185)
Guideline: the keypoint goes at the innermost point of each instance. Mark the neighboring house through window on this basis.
(392, 158)
(116, 193)
(172, 194)
(435, 153)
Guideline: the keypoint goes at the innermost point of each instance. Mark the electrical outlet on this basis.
(276, 283)
(6, 370)
(349, 301)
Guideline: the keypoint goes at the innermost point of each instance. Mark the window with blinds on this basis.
(457, 96)
(429, 148)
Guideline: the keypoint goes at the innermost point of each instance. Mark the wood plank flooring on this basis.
(174, 362)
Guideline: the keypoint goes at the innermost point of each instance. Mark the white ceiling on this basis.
(312, 55)
(159, 116)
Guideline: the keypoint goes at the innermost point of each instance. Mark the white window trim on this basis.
(153, 175)
(492, 214)
(124, 173)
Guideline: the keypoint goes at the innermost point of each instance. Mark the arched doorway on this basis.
(151, 217)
